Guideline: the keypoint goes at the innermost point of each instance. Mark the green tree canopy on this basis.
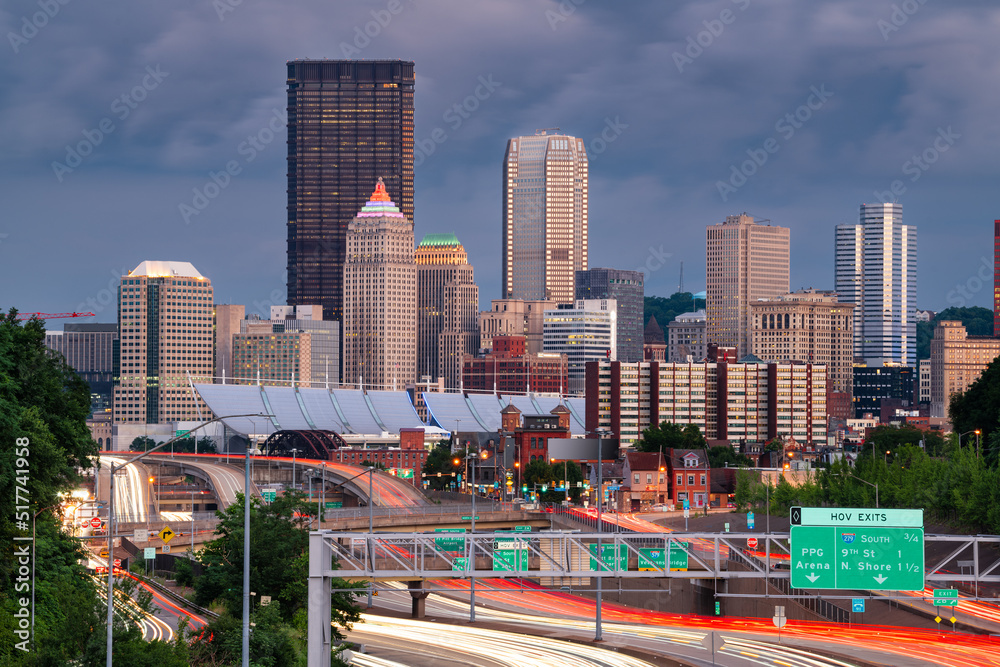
(978, 407)
(440, 461)
(667, 308)
(722, 456)
(669, 435)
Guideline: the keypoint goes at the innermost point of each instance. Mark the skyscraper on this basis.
(745, 261)
(876, 269)
(165, 344)
(349, 122)
(447, 308)
(380, 297)
(626, 288)
(585, 331)
(996, 278)
(89, 350)
(544, 216)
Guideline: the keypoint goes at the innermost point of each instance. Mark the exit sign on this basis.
(945, 597)
(846, 516)
(857, 558)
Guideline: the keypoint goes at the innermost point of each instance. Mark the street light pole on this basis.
(868, 483)
(294, 452)
(246, 561)
(600, 519)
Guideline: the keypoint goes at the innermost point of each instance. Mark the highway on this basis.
(131, 490)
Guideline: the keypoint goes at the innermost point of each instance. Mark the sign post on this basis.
(779, 620)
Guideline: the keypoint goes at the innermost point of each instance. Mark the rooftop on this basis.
(162, 269)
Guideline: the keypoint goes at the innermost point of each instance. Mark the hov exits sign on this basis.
(857, 549)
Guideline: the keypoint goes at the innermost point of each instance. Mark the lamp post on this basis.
(886, 457)
(111, 537)
(977, 432)
(602, 432)
(868, 483)
(471, 557)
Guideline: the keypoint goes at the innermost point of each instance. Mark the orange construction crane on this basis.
(51, 316)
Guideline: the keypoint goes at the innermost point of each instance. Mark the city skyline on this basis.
(125, 154)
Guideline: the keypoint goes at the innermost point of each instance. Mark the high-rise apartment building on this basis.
(876, 269)
(745, 261)
(686, 337)
(447, 308)
(165, 342)
(957, 360)
(89, 350)
(743, 402)
(544, 216)
(291, 347)
(349, 122)
(585, 331)
(626, 288)
(380, 297)
(809, 326)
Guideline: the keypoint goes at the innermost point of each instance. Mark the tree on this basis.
(279, 567)
(722, 456)
(667, 308)
(142, 444)
(669, 435)
(978, 407)
(440, 461)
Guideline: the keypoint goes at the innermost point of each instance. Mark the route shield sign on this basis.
(655, 558)
(857, 558)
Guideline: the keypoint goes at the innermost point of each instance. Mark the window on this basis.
(649, 478)
(680, 480)
(703, 480)
(636, 478)
(690, 480)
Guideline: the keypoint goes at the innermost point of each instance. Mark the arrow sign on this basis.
(813, 577)
(880, 579)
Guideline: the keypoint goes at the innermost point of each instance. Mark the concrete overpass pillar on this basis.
(419, 596)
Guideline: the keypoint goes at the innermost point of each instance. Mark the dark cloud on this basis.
(690, 88)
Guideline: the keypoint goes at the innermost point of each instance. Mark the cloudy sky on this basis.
(115, 113)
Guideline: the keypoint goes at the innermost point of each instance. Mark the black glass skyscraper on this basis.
(349, 123)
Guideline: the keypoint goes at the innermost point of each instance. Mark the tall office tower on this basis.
(294, 346)
(626, 288)
(876, 270)
(585, 331)
(957, 360)
(165, 342)
(349, 122)
(380, 297)
(447, 308)
(745, 261)
(544, 216)
(514, 317)
(227, 319)
(996, 278)
(89, 350)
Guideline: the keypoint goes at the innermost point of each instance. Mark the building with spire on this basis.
(654, 346)
(545, 186)
(447, 308)
(380, 297)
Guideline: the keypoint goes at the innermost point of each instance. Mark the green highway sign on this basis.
(269, 495)
(608, 557)
(450, 543)
(459, 565)
(857, 558)
(847, 516)
(510, 554)
(945, 597)
(522, 529)
(469, 518)
(655, 558)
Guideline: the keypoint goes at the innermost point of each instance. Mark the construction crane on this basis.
(51, 316)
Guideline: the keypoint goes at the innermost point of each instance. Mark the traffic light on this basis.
(545, 487)
(524, 488)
